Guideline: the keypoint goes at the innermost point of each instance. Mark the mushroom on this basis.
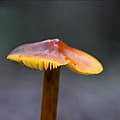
(50, 55)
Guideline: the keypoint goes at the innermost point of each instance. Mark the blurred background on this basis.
(90, 26)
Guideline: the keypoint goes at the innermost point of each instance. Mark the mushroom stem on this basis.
(50, 94)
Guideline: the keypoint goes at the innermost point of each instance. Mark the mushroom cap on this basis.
(53, 53)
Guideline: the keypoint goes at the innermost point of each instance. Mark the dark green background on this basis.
(91, 26)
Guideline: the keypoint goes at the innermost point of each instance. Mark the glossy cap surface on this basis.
(54, 53)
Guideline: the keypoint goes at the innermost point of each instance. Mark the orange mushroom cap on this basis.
(54, 53)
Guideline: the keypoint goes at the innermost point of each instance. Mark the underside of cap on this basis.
(54, 53)
(36, 63)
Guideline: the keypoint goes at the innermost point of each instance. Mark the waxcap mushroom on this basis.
(50, 55)
(53, 53)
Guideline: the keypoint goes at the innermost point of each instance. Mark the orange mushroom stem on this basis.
(50, 94)
(50, 55)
